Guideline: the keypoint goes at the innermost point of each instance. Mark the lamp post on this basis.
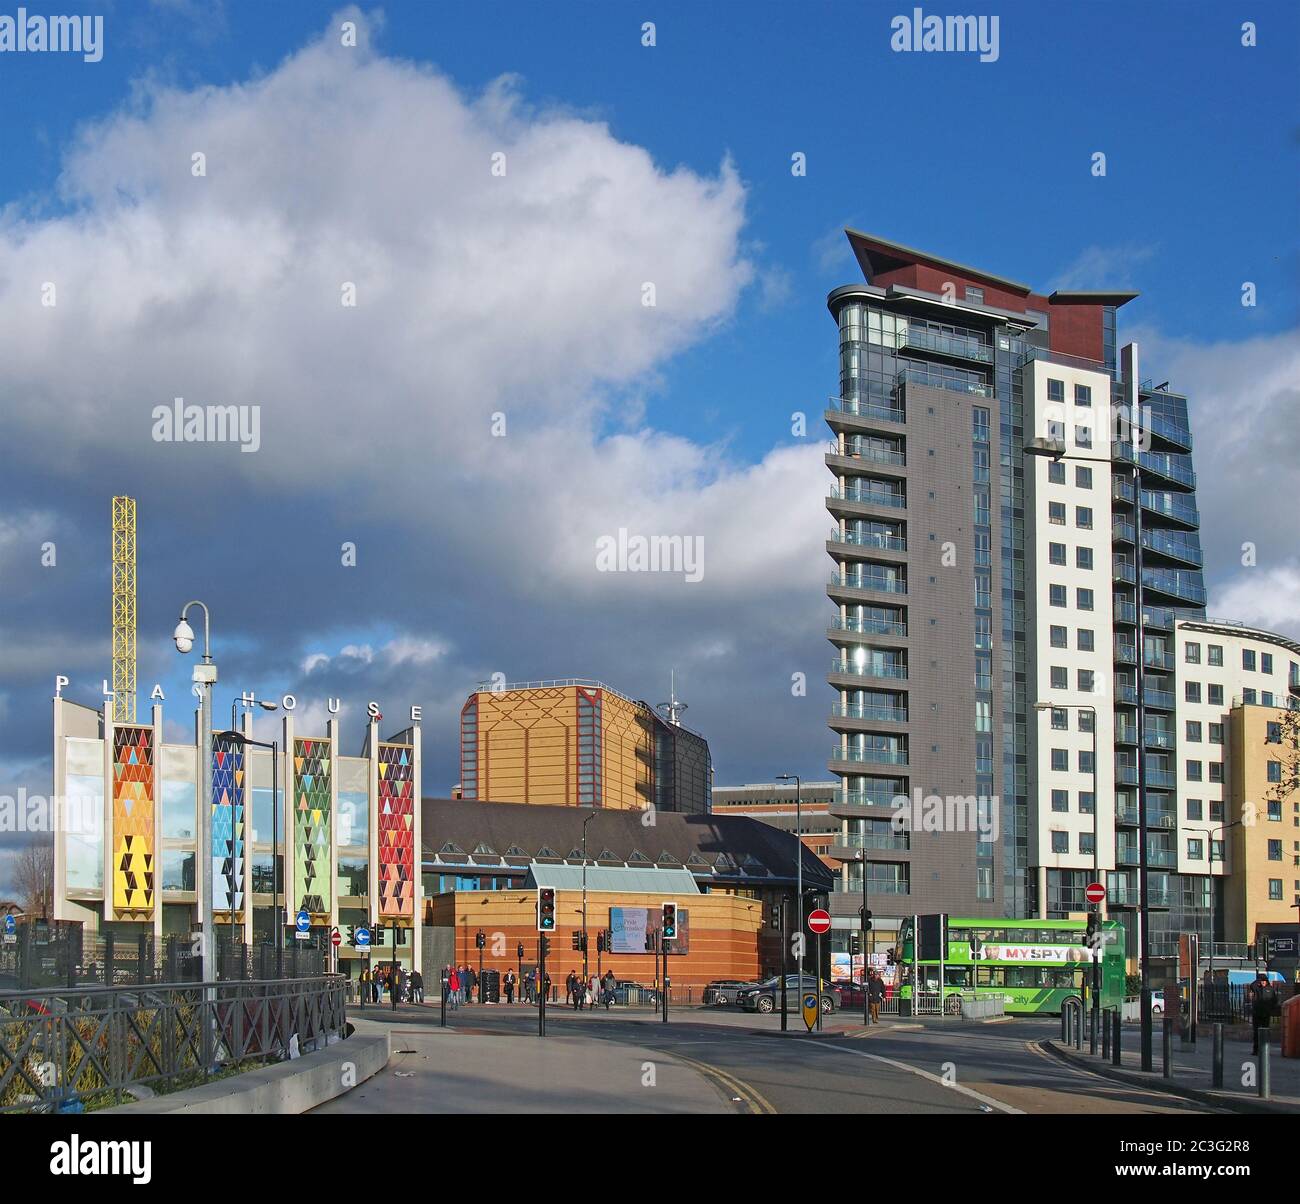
(1221, 828)
(798, 859)
(1096, 864)
(1054, 449)
(234, 731)
(866, 958)
(585, 822)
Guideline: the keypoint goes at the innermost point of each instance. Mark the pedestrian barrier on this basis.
(983, 1008)
(61, 1048)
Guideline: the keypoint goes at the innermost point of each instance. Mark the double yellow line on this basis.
(753, 1100)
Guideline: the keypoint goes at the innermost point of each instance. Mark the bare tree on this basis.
(34, 878)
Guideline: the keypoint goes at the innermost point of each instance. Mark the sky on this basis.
(497, 185)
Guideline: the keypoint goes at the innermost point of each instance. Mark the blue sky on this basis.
(670, 163)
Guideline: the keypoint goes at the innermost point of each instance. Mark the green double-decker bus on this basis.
(1034, 966)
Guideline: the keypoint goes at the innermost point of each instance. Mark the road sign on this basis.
(335, 939)
(1095, 893)
(9, 925)
(303, 921)
(363, 938)
(819, 921)
(810, 1010)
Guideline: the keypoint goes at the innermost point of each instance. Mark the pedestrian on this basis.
(472, 980)
(1263, 1006)
(394, 985)
(569, 989)
(363, 986)
(875, 993)
(609, 989)
(510, 986)
(453, 988)
(530, 987)
(417, 987)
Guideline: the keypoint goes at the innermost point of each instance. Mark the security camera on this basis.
(183, 636)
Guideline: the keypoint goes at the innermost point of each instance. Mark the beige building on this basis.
(1263, 885)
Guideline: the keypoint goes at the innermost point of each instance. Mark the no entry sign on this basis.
(819, 921)
(1096, 893)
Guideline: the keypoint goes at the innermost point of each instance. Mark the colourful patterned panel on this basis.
(396, 827)
(133, 820)
(312, 872)
(228, 802)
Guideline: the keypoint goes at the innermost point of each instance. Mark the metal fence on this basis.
(61, 1050)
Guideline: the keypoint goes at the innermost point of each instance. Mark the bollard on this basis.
(1264, 1084)
(1065, 1026)
(1092, 1032)
(442, 1020)
(1105, 1036)
(1116, 1022)
(1167, 1070)
(1078, 1027)
(1216, 1074)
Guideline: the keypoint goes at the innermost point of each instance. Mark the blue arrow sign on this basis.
(362, 938)
(9, 925)
(303, 921)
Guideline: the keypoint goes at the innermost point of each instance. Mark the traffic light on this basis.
(889, 957)
(545, 909)
(669, 928)
(855, 944)
(577, 941)
(543, 946)
(480, 939)
(865, 916)
(352, 935)
(1091, 933)
(377, 935)
(519, 952)
(600, 942)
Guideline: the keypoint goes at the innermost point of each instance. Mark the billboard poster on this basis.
(628, 927)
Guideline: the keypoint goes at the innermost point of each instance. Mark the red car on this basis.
(851, 993)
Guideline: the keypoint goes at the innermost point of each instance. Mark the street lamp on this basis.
(1096, 865)
(275, 827)
(1054, 449)
(1221, 828)
(585, 967)
(798, 861)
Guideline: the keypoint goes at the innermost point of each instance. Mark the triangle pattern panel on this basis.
(133, 823)
(396, 831)
(312, 865)
(229, 818)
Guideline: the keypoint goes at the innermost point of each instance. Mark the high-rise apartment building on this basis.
(985, 619)
(582, 744)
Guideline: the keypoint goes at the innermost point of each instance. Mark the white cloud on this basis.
(1268, 598)
(1098, 267)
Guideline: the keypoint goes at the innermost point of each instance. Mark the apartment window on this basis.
(1248, 696)
(1083, 599)
(1085, 760)
(1087, 804)
(1216, 733)
(1275, 850)
(1086, 842)
(1060, 842)
(1083, 477)
(1056, 553)
(1192, 653)
(1266, 698)
(1083, 395)
(1083, 434)
(1060, 677)
(1274, 733)
(1216, 810)
(1083, 558)
(1215, 695)
(1083, 517)
(1056, 473)
(1215, 655)
(1056, 595)
(1195, 809)
(1248, 659)
(1193, 771)
(1056, 513)
(1055, 390)
(1216, 771)
(1266, 662)
(1191, 691)
(1275, 812)
(1060, 636)
(1086, 643)
(1087, 679)
(974, 294)
(1060, 759)
(1195, 849)
(1060, 800)
(1275, 888)
(1275, 771)
(1061, 721)
(1193, 731)
(1087, 721)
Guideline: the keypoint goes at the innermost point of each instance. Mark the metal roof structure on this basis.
(602, 877)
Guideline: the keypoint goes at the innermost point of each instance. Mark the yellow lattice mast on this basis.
(124, 609)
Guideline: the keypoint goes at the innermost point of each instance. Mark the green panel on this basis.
(313, 875)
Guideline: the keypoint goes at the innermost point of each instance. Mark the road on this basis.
(935, 1067)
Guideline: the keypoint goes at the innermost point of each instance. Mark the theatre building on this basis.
(483, 863)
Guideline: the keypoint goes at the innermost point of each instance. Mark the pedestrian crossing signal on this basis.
(669, 928)
(545, 909)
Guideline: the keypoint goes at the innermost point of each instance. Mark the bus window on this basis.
(957, 976)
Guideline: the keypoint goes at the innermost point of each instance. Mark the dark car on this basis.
(627, 991)
(852, 994)
(723, 991)
(766, 996)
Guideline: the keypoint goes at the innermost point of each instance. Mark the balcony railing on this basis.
(870, 798)
(901, 841)
(887, 585)
(876, 886)
(858, 408)
(1175, 582)
(877, 455)
(870, 669)
(870, 626)
(1159, 463)
(1169, 430)
(1162, 700)
(878, 714)
(1125, 654)
(871, 497)
(870, 539)
(1157, 658)
(874, 756)
(970, 348)
(1180, 547)
(918, 377)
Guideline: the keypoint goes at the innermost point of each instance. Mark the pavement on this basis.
(490, 1059)
(1192, 1067)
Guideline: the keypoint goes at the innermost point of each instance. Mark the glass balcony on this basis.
(1125, 612)
(878, 455)
(859, 408)
(870, 497)
(1158, 738)
(1122, 530)
(878, 714)
(967, 347)
(870, 798)
(1161, 779)
(874, 756)
(1173, 468)
(917, 376)
(900, 842)
(1170, 431)
(870, 669)
(1125, 653)
(1177, 546)
(1158, 658)
(1158, 617)
(1175, 508)
(870, 539)
(1123, 570)
(1126, 733)
(887, 585)
(876, 886)
(870, 626)
(1161, 700)
(1186, 586)
(1126, 693)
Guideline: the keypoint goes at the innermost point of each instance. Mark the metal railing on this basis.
(857, 408)
(60, 1050)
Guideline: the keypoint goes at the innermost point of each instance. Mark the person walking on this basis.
(472, 983)
(417, 987)
(569, 989)
(453, 988)
(363, 987)
(875, 993)
(608, 989)
(395, 985)
(530, 987)
(1263, 1006)
(510, 986)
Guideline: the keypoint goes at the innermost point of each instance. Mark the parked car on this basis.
(723, 991)
(852, 994)
(766, 996)
(638, 991)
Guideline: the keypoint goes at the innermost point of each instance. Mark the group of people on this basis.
(591, 992)
(401, 987)
(459, 983)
